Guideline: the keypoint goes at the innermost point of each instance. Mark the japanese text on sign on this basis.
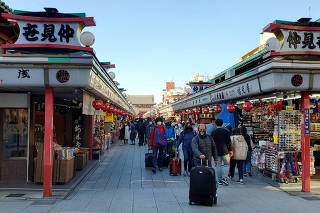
(306, 122)
(300, 40)
(48, 33)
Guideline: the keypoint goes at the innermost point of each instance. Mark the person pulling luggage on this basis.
(186, 139)
(158, 133)
(204, 147)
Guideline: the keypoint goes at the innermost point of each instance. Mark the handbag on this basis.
(160, 139)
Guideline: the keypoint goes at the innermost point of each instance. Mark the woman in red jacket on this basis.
(157, 150)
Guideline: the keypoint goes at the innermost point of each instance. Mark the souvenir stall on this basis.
(276, 130)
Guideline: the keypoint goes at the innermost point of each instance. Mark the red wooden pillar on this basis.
(305, 141)
(48, 143)
(91, 136)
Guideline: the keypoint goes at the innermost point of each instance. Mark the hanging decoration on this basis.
(271, 107)
(185, 113)
(191, 112)
(105, 107)
(198, 111)
(247, 106)
(205, 110)
(97, 104)
(218, 109)
(279, 105)
(231, 108)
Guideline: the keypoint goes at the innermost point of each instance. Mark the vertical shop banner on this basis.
(108, 117)
(226, 117)
(87, 101)
(306, 122)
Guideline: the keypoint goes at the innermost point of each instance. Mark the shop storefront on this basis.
(53, 103)
(274, 93)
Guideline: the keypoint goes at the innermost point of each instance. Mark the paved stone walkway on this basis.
(122, 184)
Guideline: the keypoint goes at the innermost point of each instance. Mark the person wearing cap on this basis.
(204, 148)
(157, 150)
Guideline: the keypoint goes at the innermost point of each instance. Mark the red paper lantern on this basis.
(217, 109)
(105, 107)
(231, 108)
(198, 111)
(271, 107)
(97, 104)
(191, 112)
(247, 106)
(279, 105)
(185, 113)
(111, 108)
(205, 110)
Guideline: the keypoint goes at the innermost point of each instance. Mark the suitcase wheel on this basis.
(215, 199)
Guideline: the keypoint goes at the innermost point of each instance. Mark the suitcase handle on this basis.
(202, 163)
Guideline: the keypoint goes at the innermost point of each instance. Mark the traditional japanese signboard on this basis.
(295, 39)
(22, 76)
(49, 32)
(241, 90)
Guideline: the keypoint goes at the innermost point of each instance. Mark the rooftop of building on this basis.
(141, 99)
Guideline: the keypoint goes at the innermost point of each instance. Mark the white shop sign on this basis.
(242, 90)
(21, 77)
(300, 40)
(48, 33)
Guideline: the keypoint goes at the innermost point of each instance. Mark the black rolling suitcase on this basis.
(203, 187)
(148, 159)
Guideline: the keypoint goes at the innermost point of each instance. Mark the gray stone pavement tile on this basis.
(37, 209)
(145, 210)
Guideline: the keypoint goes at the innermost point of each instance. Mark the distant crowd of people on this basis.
(201, 143)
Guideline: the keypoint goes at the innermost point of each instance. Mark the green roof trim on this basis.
(318, 20)
(105, 63)
(281, 22)
(244, 62)
(5, 7)
(18, 12)
(60, 59)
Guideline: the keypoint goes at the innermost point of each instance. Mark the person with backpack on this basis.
(204, 148)
(240, 150)
(158, 143)
(247, 161)
(186, 139)
(170, 136)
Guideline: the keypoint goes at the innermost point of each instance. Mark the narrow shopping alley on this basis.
(121, 183)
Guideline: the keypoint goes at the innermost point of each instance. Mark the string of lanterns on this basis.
(246, 106)
(99, 105)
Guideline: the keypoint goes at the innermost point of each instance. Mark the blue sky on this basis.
(154, 41)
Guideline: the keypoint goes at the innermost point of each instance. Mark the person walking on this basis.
(204, 148)
(122, 133)
(240, 147)
(148, 131)
(133, 133)
(157, 150)
(186, 139)
(223, 142)
(170, 136)
(247, 161)
(127, 132)
(141, 132)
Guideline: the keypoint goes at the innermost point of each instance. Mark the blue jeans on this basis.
(155, 150)
(247, 163)
(222, 170)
